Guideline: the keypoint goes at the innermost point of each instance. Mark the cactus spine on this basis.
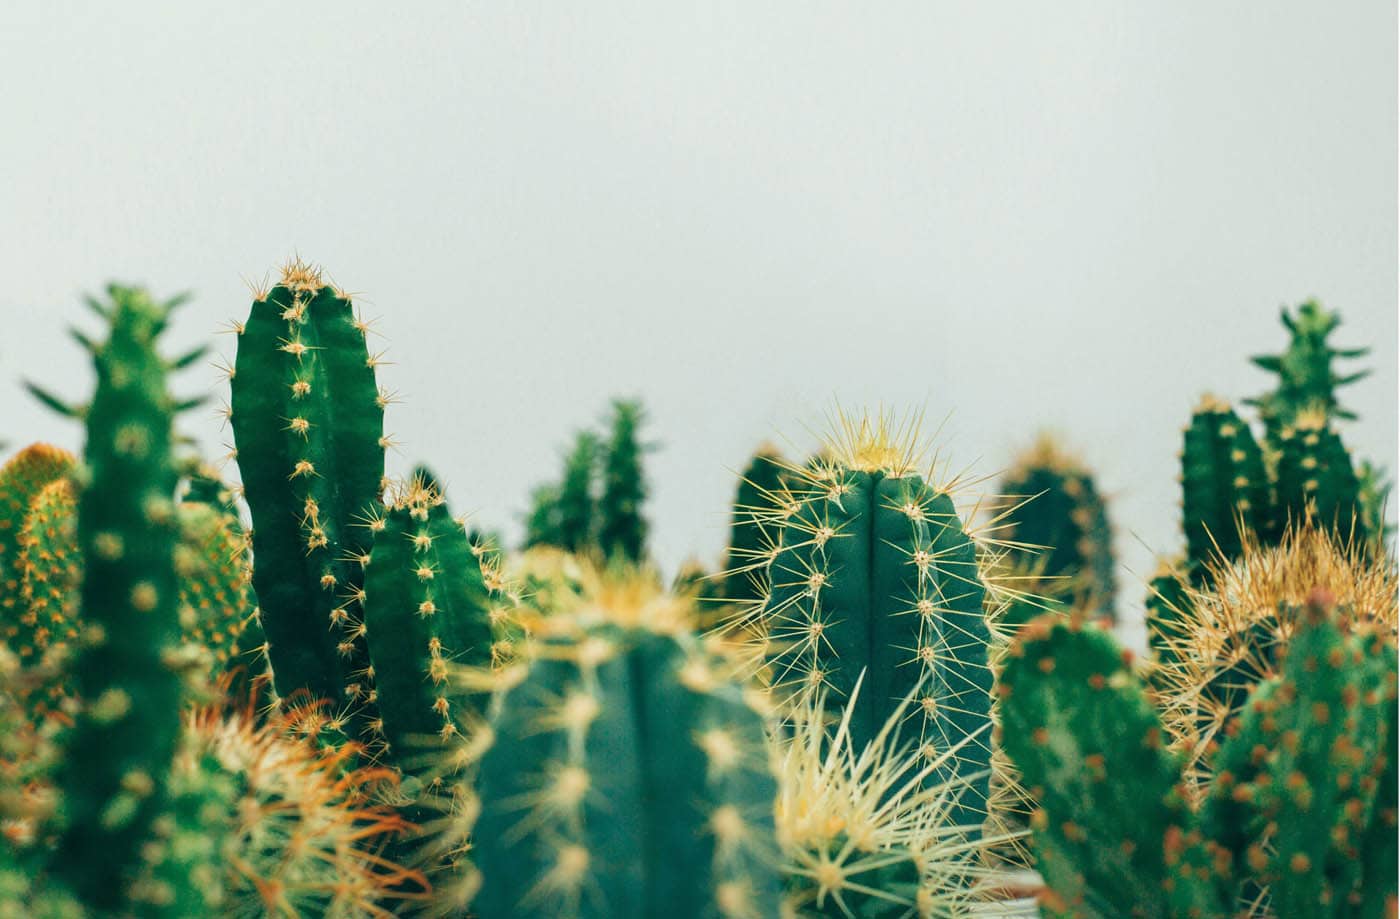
(308, 423)
(875, 574)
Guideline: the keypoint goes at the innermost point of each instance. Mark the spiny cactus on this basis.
(1307, 378)
(21, 481)
(875, 573)
(624, 775)
(431, 599)
(862, 833)
(128, 672)
(1314, 475)
(308, 424)
(1060, 512)
(752, 535)
(1232, 632)
(1225, 489)
(1294, 793)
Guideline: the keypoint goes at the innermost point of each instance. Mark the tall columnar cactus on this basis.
(1295, 791)
(626, 776)
(308, 423)
(1307, 378)
(128, 673)
(752, 534)
(1061, 511)
(1225, 488)
(622, 530)
(427, 605)
(21, 481)
(577, 506)
(876, 574)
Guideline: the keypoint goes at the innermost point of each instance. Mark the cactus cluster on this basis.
(319, 693)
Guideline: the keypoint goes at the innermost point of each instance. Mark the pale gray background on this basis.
(1078, 215)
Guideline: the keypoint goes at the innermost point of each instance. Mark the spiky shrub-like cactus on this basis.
(1060, 511)
(1307, 378)
(128, 671)
(308, 424)
(625, 775)
(1295, 796)
(876, 574)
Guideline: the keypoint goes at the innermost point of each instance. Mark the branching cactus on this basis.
(1225, 488)
(129, 669)
(1307, 378)
(431, 599)
(875, 573)
(22, 480)
(1295, 795)
(625, 775)
(1060, 511)
(308, 423)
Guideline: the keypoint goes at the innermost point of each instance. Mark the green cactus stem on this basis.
(1316, 479)
(626, 775)
(21, 481)
(1307, 378)
(308, 423)
(622, 530)
(1062, 513)
(129, 669)
(1225, 489)
(752, 534)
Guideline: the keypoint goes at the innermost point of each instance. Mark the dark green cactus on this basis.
(1169, 607)
(1061, 511)
(578, 505)
(1306, 376)
(1225, 488)
(752, 534)
(1315, 477)
(627, 778)
(129, 669)
(622, 530)
(308, 423)
(426, 605)
(876, 574)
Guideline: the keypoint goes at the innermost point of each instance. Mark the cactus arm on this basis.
(308, 423)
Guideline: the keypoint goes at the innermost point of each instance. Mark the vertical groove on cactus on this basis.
(876, 574)
(626, 776)
(308, 422)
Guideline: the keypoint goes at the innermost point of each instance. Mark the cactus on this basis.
(1306, 377)
(1225, 489)
(1169, 607)
(752, 534)
(21, 481)
(1062, 514)
(427, 604)
(1315, 476)
(308, 423)
(624, 775)
(128, 671)
(1232, 632)
(860, 831)
(622, 531)
(875, 573)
